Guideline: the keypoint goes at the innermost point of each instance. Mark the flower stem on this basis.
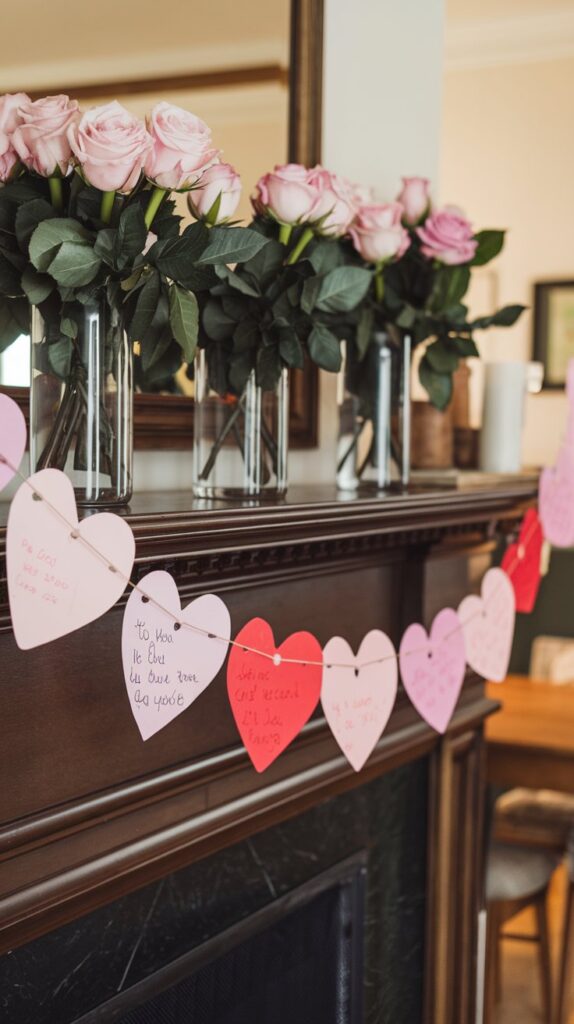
(379, 285)
(107, 206)
(56, 194)
(302, 244)
(154, 205)
(285, 233)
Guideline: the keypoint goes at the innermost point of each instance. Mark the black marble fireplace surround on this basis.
(321, 917)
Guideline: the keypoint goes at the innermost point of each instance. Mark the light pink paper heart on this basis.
(166, 668)
(433, 667)
(357, 702)
(488, 626)
(55, 583)
(556, 501)
(12, 437)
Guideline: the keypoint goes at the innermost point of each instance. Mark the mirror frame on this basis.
(165, 422)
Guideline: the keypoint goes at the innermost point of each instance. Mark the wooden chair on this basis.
(567, 941)
(517, 877)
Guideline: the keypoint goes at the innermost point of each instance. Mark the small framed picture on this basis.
(554, 329)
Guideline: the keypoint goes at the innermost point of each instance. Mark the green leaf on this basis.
(158, 337)
(489, 245)
(36, 286)
(326, 255)
(217, 325)
(10, 278)
(238, 282)
(60, 358)
(131, 235)
(49, 236)
(364, 330)
(184, 319)
(464, 346)
(291, 349)
(104, 245)
(232, 245)
(324, 348)
(406, 317)
(343, 288)
(14, 321)
(450, 284)
(507, 316)
(440, 358)
(246, 336)
(437, 385)
(266, 264)
(69, 327)
(240, 366)
(145, 308)
(28, 216)
(310, 293)
(75, 264)
(268, 367)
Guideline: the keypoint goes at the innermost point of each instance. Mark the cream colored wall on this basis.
(507, 157)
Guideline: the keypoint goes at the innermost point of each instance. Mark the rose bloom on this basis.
(287, 194)
(41, 138)
(110, 145)
(218, 180)
(336, 207)
(9, 121)
(378, 234)
(446, 236)
(181, 149)
(415, 198)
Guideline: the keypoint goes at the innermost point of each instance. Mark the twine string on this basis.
(277, 659)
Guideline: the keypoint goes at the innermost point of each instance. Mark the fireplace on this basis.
(319, 919)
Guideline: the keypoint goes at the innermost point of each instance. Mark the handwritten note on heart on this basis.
(55, 583)
(556, 501)
(433, 667)
(488, 626)
(357, 702)
(166, 667)
(522, 562)
(12, 437)
(272, 700)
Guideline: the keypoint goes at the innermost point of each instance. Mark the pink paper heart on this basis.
(55, 582)
(12, 437)
(357, 702)
(166, 668)
(488, 626)
(556, 501)
(433, 667)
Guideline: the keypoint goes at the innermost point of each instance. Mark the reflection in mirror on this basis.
(228, 63)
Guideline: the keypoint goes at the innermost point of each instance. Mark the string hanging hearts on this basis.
(62, 574)
(12, 439)
(358, 693)
(272, 698)
(170, 655)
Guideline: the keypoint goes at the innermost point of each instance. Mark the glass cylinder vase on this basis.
(240, 443)
(81, 401)
(373, 396)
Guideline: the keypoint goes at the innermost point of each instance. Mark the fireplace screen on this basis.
(300, 959)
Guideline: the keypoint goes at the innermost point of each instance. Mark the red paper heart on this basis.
(272, 701)
(522, 562)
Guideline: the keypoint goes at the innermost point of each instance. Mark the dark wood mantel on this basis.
(89, 812)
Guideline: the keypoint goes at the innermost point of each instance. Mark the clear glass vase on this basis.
(373, 397)
(240, 443)
(81, 401)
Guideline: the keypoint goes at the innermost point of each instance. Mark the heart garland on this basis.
(270, 698)
(166, 665)
(56, 584)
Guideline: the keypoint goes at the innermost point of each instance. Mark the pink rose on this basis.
(447, 237)
(287, 194)
(378, 234)
(41, 138)
(9, 121)
(110, 145)
(218, 180)
(181, 149)
(415, 198)
(336, 206)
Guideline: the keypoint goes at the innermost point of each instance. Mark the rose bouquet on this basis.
(86, 220)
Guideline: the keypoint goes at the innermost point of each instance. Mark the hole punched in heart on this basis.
(36, 496)
(177, 625)
(145, 599)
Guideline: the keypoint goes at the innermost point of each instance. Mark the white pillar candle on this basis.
(503, 417)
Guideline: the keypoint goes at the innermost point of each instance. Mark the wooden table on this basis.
(531, 739)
